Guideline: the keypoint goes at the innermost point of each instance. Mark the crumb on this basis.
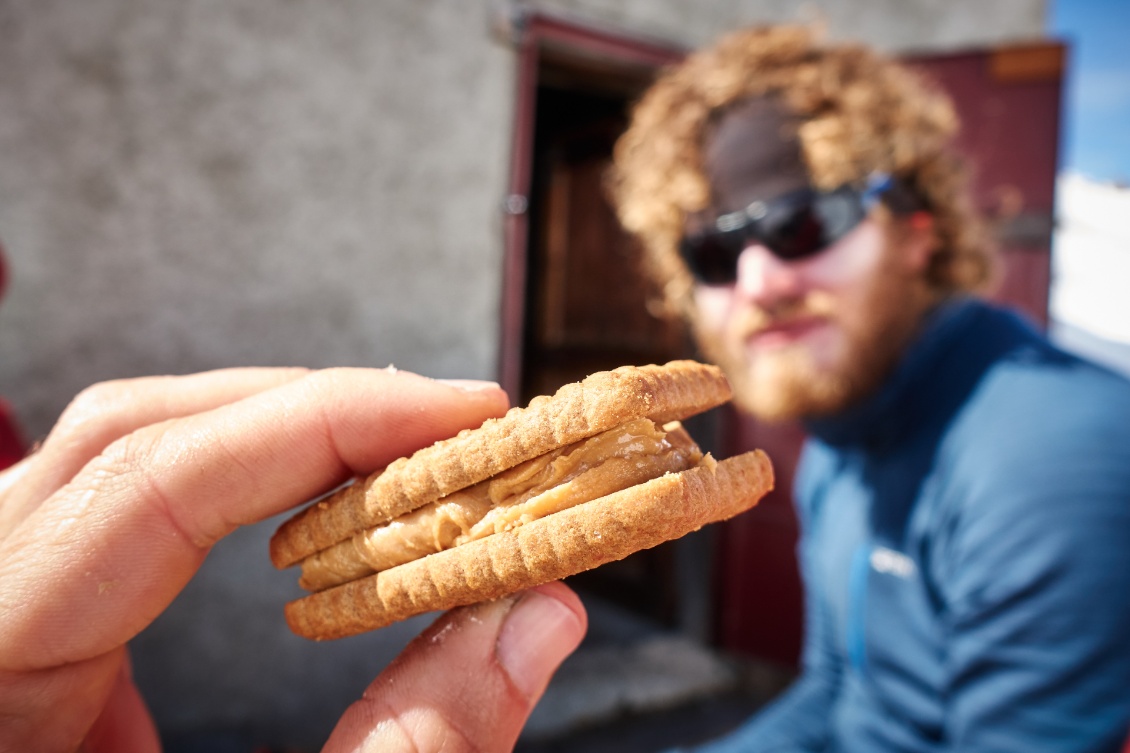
(441, 633)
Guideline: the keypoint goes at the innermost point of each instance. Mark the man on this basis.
(964, 495)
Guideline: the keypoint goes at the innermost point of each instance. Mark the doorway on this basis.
(587, 299)
(576, 300)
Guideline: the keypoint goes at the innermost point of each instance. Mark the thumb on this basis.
(470, 680)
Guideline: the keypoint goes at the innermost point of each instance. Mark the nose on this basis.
(764, 279)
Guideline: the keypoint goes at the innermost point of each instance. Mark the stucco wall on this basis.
(196, 184)
(201, 184)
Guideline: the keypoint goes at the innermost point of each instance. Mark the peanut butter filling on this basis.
(630, 454)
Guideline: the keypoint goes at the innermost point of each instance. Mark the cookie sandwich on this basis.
(589, 475)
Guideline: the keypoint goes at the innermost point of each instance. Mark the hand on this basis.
(110, 518)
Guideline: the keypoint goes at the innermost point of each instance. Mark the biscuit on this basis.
(589, 475)
(602, 401)
(547, 549)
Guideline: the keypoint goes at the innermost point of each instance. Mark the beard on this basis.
(789, 382)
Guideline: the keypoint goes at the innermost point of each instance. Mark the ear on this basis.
(918, 240)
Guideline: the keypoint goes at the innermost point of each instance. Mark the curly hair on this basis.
(860, 113)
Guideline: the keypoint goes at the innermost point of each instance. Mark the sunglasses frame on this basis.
(781, 225)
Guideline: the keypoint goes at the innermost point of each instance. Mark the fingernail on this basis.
(539, 633)
(470, 385)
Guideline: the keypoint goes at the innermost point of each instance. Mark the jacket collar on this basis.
(883, 418)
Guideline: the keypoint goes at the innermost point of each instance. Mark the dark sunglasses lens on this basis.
(812, 226)
(797, 227)
(713, 257)
(797, 235)
(840, 212)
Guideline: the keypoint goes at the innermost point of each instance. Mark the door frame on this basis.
(534, 33)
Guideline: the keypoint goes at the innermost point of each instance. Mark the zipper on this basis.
(857, 609)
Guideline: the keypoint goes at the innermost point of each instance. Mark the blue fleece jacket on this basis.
(966, 555)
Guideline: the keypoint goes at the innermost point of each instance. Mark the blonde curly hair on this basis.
(860, 113)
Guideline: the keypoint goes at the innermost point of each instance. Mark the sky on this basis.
(1096, 130)
(1091, 256)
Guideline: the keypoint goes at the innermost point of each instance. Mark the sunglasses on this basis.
(795, 226)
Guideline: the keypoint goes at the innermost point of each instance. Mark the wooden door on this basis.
(588, 305)
(575, 299)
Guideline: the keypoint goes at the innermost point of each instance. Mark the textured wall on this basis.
(198, 184)
(204, 183)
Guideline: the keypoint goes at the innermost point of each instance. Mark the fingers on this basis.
(110, 410)
(53, 709)
(113, 547)
(125, 723)
(470, 681)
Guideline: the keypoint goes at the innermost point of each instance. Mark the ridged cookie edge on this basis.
(578, 410)
(548, 549)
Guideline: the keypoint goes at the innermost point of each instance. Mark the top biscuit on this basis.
(598, 403)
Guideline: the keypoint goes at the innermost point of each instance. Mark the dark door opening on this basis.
(585, 299)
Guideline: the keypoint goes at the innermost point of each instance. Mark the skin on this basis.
(810, 337)
(806, 337)
(109, 519)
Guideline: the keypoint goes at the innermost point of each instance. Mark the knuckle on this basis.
(126, 465)
(128, 453)
(123, 461)
(415, 728)
(92, 408)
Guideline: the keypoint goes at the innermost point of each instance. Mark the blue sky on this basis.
(1096, 137)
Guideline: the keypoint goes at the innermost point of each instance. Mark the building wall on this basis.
(202, 184)
(198, 184)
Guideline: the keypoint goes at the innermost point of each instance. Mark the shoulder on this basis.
(1036, 402)
(1043, 438)
(1033, 475)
